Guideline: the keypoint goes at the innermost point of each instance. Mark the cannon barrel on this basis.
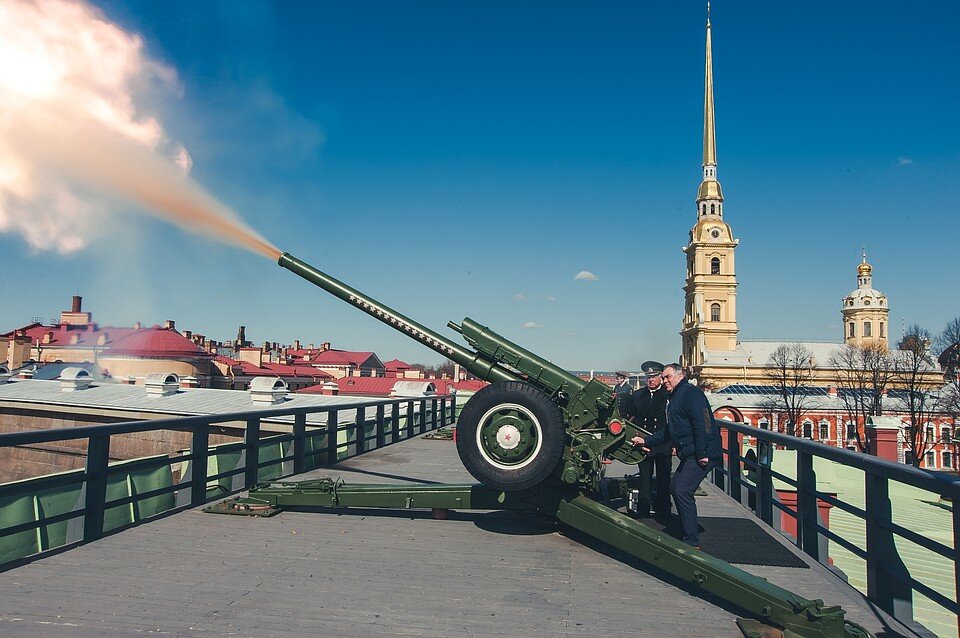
(475, 363)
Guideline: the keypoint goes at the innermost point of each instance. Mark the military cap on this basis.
(621, 374)
(651, 368)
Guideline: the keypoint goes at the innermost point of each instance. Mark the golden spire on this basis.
(709, 129)
(709, 187)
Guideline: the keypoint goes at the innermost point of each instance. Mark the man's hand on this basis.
(638, 440)
(703, 462)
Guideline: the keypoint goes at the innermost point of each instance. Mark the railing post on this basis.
(734, 474)
(453, 411)
(807, 509)
(199, 449)
(333, 420)
(251, 444)
(765, 482)
(394, 421)
(433, 414)
(358, 429)
(887, 583)
(98, 458)
(956, 544)
(299, 442)
(423, 416)
(381, 427)
(408, 432)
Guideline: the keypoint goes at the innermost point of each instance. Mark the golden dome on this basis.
(709, 189)
(864, 269)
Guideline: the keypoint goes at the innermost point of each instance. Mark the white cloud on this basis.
(585, 275)
(519, 297)
(549, 297)
(532, 325)
(904, 161)
(76, 133)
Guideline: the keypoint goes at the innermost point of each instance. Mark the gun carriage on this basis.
(536, 439)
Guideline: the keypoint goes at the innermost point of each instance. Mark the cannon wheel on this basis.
(510, 436)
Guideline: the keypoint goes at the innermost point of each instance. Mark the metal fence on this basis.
(87, 496)
(889, 582)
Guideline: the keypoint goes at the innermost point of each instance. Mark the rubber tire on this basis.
(553, 434)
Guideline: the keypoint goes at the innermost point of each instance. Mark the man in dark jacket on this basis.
(649, 411)
(696, 438)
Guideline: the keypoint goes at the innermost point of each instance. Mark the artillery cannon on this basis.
(535, 423)
(536, 439)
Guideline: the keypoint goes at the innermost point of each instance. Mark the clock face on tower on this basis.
(715, 233)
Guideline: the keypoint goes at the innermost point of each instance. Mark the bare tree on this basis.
(921, 396)
(790, 370)
(862, 375)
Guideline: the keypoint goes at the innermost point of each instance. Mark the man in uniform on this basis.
(696, 438)
(648, 411)
(622, 391)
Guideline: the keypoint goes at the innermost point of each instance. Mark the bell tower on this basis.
(710, 306)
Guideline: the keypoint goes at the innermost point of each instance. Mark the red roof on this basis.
(396, 364)
(341, 357)
(155, 342)
(273, 369)
(87, 336)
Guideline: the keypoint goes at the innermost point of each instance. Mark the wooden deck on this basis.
(374, 574)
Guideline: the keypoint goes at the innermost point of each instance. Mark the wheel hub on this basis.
(509, 436)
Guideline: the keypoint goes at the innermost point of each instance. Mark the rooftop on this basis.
(377, 573)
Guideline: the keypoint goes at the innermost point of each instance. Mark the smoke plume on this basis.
(75, 137)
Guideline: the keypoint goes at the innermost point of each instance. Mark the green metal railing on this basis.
(63, 510)
(889, 582)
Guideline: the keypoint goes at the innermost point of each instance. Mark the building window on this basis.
(703, 209)
(931, 433)
(882, 335)
(867, 329)
(851, 430)
(929, 459)
(713, 208)
(808, 429)
(866, 302)
(715, 312)
(715, 266)
(945, 433)
(853, 329)
(764, 424)
(824, 430)
(947, 460)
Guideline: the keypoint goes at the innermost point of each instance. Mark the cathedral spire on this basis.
(709, 128)
(709, 195)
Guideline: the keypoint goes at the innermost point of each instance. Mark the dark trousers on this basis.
(684, 483)
(655, 466)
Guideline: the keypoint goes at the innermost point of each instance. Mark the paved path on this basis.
(373, 574)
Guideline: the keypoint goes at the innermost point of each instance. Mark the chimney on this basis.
(242, 337)
(169, 324)
(330, 389)
(77, 303)
(129, 380)
(883, 436)
(268, 390)
(18, 351)
(188, 334)
(296, 344)
(74, 379)
(161, 384)
(136, 326)
(251, 355)
(832, 391)
(324, 346)
(189, 382)
(48, 336)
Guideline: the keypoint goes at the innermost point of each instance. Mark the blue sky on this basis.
(468, 159)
